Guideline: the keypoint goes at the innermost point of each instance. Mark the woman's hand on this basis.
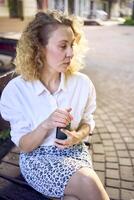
(73, 138)
(59, 118)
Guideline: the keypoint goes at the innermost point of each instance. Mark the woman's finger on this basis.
(61, 146)
(64, 114)
(70, 133)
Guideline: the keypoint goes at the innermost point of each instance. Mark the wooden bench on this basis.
(12, 184)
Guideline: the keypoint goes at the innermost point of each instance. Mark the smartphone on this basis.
(60, 135)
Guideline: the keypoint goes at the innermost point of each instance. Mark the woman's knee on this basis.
(85, 184)
(93, 185)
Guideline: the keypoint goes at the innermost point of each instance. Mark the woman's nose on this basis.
(70, 52)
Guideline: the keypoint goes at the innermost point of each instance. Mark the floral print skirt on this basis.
(48, 169)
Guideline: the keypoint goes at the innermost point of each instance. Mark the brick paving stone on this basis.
(129, 125)
(102, 130)
(99, 123)
(131, 153)
(120, 146)
(113, 182)
(106, 109)
(98, 158)
(109, 148)
(111, 128)
(112, 173)
(115, 136)
(99, 166)
(110, 153)
(104, 117)
(121, 115)
(127, 195)
(105, 136)
(120, 125)
(114, 119)
(95, 131)
(96, 115)
(127, 185)
(113, 193)
(131, 131)
(125, 134)
(99, 111)
(123, 153)
(108, 123)
(123, 129)
(96, 138)
(108, 142)
(112, 165)
(126, 173)
(125, 161)
(98, 148)
(101, 176)
(118, 140)
(111, 159)
(129, 139)
(130, 146)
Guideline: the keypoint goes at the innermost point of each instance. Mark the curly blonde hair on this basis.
(29, 56)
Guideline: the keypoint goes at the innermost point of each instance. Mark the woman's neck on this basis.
(51, 81)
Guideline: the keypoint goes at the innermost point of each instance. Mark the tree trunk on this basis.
(109, 8)
(133, 10)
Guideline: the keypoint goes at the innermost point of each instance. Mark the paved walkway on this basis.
(110, 66)
(111, 69)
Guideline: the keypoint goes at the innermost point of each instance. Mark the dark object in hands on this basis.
(60, 135)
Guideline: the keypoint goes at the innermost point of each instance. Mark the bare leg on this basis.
(67, 198)
(70, 198)
(86, 185)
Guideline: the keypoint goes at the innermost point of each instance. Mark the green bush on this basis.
(4, 134)
(129, 21)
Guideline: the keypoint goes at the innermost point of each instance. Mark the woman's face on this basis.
(59, 50)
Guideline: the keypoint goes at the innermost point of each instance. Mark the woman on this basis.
(50, 93)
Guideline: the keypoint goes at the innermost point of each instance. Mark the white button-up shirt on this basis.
(26, 104)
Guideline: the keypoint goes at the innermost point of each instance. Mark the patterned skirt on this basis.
(48, 169)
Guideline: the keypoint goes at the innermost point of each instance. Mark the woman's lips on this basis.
(67, 63)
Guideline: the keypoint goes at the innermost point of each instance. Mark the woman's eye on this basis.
(63, 46)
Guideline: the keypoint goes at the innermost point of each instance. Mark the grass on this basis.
(5, 143)
(129, 21)
(4, 134)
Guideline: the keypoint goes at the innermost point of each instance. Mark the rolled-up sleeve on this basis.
(12, 111)
(90, 107)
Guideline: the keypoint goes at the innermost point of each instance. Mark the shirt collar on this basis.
(40, 88)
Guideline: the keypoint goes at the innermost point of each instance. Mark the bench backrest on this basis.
(8, 46)
(4, 79)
